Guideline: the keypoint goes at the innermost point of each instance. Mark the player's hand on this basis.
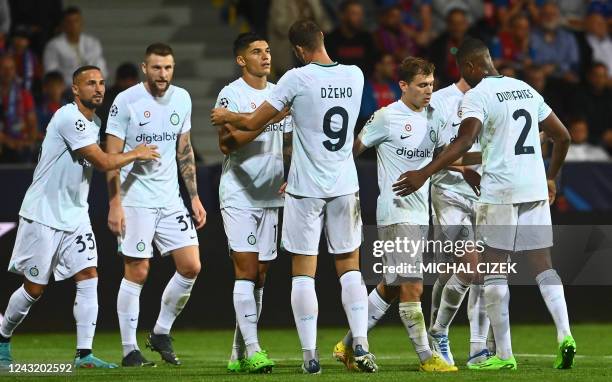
(282, 188)
(409, 182)
(199, 213)
(472, 178)
(116, 220)
(218, 116)
(146, 152)
(552, 190)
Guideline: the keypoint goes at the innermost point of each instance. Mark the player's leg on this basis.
(343, 233)
(33, 257)
(535, 236)
(479, 323)
(136, 250)
(302, 225)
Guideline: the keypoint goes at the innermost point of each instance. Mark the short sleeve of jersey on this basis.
(187, 121)
(76, 131)
(375, 130)
(473, 106)
(543, 109)
(118, 118)
(227, 99)
(285, 90)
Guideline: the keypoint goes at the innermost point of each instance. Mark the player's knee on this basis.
(34, 290)
(86, 274)
(191, 271)
(261, 279)
(137, 270)
(411, 291)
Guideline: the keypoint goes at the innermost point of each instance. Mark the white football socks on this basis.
(128, 308)
(305, 312)
(452, 296)
(18, 307)
(551, 288)
(497, 298)
(85, 312)
(173, 301)
(246, 314)
(436, 296)
(479, 321)
(355, 303)
(377, 307)
(414, 322)
(238, 347)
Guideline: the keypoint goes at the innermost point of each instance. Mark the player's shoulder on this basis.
(180, 93)
(131, 94)
(68, 111)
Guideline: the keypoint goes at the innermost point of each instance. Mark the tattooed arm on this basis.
(186, 164)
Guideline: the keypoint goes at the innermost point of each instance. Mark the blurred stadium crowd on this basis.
(562, 48)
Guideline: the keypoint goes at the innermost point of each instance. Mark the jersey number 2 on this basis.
(340, 135)
(519, 148)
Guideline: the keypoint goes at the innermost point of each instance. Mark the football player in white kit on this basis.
(145, 205)
(322, 190)
(250, 200)
(405, 137)
(513, 213)
(54, 235)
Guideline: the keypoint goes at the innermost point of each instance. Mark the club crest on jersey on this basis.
(34, 271)
(80, 125)
(224, 102)
(433, 136)
(175, 119)
(459, 112)
(114, 110)
(140, 246)
(253, 106)
(251, 239)
(147, 114)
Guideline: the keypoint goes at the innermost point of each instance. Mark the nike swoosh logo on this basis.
(405, 136)
(456, 124)
(249, 315)
(374, 318)
(192, 237)
(142, 124)
(133, 319)
(91, 258)
(410, 326)
(93, 324)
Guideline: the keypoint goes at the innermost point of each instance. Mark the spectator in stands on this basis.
(350, 43)
(553, 47)
(416, 14)
(506, 10)
(40, 17)
(126, 76)
(595, 43)
(18, 122)
(473, 10)
(5, 22)
(580, 149)
(511, 46)
(443, 49)
(29, 68)
(284, 13)
(392, 36)
(381, 88)
(53, 88)
(594, 100)
(72, 48)
(555, 93)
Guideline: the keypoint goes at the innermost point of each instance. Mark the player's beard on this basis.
(153, 85)
(90, 104)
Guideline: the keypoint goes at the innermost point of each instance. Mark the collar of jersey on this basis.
(325, 65)
(497, 76)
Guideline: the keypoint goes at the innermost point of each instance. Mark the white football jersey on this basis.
(137, 117)
(58, 194)
(326, 101)
(446, 105)
(252, 175)
(405, 140)
(512, 165)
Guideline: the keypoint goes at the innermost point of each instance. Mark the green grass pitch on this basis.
(204, 356)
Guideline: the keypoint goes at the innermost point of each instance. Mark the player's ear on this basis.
(143, 67)
(403, 85)
(240, 61)
(75, 89)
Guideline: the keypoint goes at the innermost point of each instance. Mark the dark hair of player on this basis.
(244, 40)
(344, 5)
(307, 34)
(82, 69)
(53, 76)
(455, 10)
(413, 66)
(159, 49)
(470, 48)
(126, 71)
(72, 10)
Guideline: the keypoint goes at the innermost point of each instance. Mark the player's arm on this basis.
(254, 121)
(107, 162)
(186, 163)
(287, 153)
(555, 130)
(469, 159)
(358, 147)
(116, 217)
(411, 181)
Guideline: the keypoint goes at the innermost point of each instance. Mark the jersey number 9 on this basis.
(340, 135)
